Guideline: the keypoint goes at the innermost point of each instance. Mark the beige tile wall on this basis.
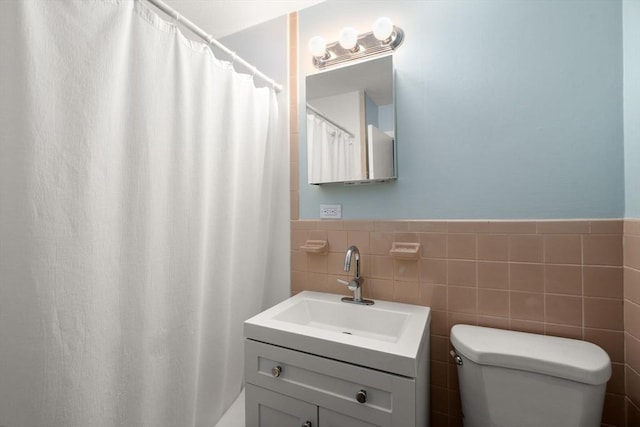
(632, 319)
(560, 278)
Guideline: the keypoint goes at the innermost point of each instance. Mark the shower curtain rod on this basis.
(211, 41)
(328, 120)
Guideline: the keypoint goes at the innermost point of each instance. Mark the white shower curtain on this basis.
(136, 180)
(334, 155)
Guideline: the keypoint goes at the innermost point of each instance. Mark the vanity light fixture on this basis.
(349, 39)
(318, 48)
(384, 38)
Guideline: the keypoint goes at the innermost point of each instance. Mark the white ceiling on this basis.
(223, 17)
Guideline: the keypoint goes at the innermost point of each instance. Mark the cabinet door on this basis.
(265, 408)
(333, 419)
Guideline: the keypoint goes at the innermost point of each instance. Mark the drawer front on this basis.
(390, 399)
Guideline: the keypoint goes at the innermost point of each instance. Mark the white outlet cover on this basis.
(331, 211)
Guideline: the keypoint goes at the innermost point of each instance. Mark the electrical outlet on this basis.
(330, 211)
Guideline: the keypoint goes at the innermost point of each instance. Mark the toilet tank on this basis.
(510, 378)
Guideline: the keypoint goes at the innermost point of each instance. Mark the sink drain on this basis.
(348, 333)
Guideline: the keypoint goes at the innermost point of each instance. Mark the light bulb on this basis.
(317, 46)
(383, 28)
(348, 38)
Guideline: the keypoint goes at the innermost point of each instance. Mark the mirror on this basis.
(351, 123)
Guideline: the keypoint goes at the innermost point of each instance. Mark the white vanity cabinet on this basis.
(285, 387)
(315, 361)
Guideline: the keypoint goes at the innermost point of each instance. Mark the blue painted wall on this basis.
(506, 109)
(631, 35)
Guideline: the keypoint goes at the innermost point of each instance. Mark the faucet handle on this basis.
(352, 285)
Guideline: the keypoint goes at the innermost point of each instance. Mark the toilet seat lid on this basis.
(566, 358)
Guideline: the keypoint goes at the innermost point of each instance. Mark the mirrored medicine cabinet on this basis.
(350, 115)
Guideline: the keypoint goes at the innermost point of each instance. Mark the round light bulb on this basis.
(348, 38)
(317, 46)
(383, 28)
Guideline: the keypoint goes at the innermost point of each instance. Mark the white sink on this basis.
(330, 314)
(387, 336)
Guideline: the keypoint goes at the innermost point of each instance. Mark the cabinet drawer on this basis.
(390, 399)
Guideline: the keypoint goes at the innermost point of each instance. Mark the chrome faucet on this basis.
(354, 284)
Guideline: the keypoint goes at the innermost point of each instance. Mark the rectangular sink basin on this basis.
(387, 336)
(329, 315)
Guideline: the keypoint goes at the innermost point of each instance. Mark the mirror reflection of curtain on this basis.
(334, 154)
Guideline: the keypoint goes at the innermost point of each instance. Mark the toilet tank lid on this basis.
(559, 357)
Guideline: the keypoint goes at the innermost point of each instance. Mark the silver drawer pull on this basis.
(276, 371)
(361, 396)
(307, 424)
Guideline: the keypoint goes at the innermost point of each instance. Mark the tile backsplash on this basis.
(632, 319)
(561, 278)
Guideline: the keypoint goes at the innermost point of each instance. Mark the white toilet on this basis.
(516, 379)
